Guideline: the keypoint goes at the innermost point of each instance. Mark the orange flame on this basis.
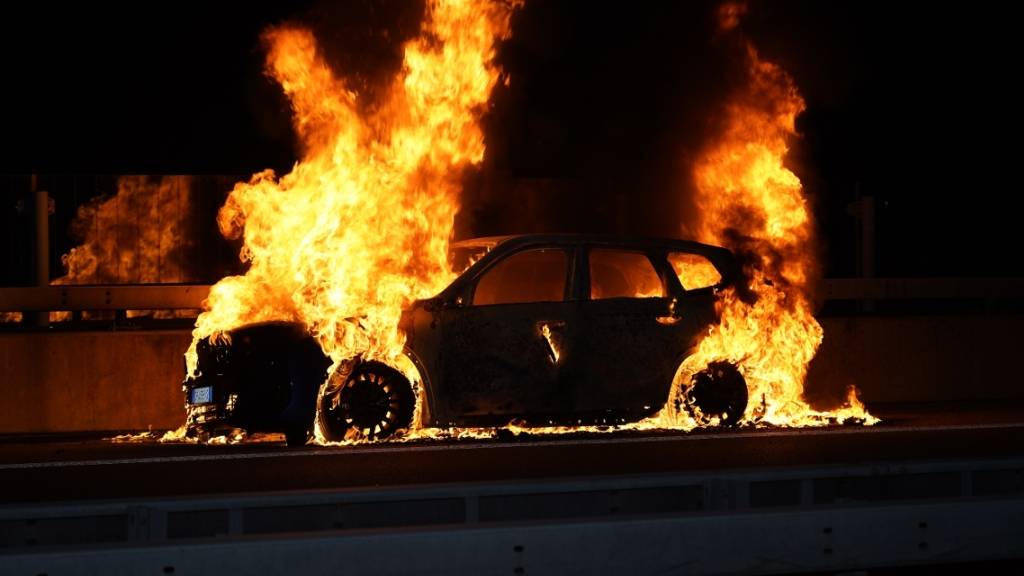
(133, 237)
(749, 201)
(136, 236)
(694, 271)
(360, 227)
(12, 317)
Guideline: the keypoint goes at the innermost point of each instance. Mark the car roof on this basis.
(577, 238)
(483, 241)
(722, 258)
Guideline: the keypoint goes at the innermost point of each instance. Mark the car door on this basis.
(499, 354)
(637, 324)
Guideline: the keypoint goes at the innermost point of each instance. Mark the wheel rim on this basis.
(370, 402)
(717, 391)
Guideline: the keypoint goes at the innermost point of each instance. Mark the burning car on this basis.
(538, 329)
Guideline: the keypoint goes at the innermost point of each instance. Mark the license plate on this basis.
(201, 395)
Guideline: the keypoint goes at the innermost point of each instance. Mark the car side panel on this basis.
(628, 351)
(497, 364)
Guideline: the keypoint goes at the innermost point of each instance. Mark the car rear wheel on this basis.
(374, 402)
(718, 391)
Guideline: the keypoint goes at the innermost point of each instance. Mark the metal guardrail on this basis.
(74, 298)
(189, 296)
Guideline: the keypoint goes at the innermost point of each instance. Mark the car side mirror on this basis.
(436, 304)
(461, 299)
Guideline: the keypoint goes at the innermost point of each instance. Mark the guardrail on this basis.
(124, 297)
(191, 296)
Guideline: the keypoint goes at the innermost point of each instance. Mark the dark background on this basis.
(915, 104)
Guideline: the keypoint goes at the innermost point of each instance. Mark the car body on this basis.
(539, 328)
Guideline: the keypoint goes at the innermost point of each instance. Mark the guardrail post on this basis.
(863, 210)
(867, 244)
(42, 245)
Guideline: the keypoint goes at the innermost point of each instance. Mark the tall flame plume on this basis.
(360, 226)
(749, 201)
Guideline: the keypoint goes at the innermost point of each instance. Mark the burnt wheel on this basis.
(374, 401)
(717, 391)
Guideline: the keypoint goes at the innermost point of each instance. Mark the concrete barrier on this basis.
(919, 359)
(79, 381)
(82, 381)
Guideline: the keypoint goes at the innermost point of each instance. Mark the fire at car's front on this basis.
(210, 398)
(259, 378)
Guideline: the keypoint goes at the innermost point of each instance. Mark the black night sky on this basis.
(915, 104)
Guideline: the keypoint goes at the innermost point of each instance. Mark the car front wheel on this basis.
(374, 402)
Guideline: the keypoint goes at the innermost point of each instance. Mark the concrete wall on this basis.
(72, 381)
(920, 359)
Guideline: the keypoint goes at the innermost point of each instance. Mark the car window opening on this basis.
(694, 271)
(462, 257)
(622, 274)
(530, 276)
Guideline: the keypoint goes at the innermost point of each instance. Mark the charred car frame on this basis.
(539, 329)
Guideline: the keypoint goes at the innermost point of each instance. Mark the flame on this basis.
(553, 347)
(136, 236)
(694, 271)
(750, 202)
(133, 237)
(360, 226)
(730, 14)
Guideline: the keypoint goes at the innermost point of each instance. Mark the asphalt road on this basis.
(34, 469)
